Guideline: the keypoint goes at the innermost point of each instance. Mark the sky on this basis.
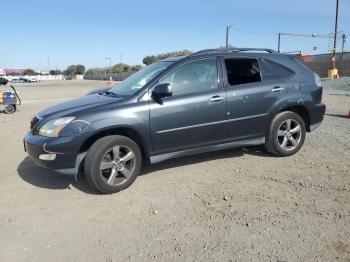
(85, 32)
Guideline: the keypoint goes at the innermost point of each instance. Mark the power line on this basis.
(338, 35)
(251, 32)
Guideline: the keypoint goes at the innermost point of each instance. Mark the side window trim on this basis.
(188, 62)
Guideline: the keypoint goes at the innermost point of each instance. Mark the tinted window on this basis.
(193, 77)
(266, 72)
(279, 70)
(242, 71)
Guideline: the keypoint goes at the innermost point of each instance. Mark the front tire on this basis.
(286, 134)
(112, 163)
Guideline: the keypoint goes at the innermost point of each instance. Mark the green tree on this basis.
(95, 71)
(55, 72)
(135, 68)
(30, 72)
(70, 71)
(79, 69)
(118, 68)
(154, 58)
(149, 60)
(124, 68)
(74, 70)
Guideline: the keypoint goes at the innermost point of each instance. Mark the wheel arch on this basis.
(122, 131)
(301, 111)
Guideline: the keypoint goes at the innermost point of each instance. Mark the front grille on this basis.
(33, 123)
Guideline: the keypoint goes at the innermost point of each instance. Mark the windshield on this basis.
(136, 81)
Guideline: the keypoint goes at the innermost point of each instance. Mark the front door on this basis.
(195, 115)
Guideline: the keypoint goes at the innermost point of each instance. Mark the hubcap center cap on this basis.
(117, 164)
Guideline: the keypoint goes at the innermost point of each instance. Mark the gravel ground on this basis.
(337, 87)
(232, 205)
(337, 84)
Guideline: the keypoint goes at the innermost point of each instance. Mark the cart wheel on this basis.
(10, 109)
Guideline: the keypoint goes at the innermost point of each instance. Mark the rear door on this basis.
(287, 78)
(252, 92)
(195, 115)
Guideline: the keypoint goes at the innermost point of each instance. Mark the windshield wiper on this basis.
(109, 93)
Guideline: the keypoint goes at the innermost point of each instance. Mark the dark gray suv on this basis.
(210, 100)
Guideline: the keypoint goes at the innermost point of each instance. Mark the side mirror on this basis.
(161, 91)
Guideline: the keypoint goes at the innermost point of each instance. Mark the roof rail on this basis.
(231, 50)
(271, 51)
(209, 51)
(293, 52)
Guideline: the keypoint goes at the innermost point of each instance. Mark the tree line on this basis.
(124, 68)
(73, 70)
(118, 68)
(155, 58)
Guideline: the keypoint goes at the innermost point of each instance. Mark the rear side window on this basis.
(279, 70)
(266, 72)
(242, 71)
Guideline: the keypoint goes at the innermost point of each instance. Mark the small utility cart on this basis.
(10, 99)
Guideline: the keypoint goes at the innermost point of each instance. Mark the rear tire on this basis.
(286, 134)
(112, 163)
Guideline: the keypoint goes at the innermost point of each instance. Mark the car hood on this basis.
(75, 106)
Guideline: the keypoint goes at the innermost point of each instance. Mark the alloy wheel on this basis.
(117, 165)
(289, 134)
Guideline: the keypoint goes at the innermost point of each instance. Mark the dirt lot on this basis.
(233, 205)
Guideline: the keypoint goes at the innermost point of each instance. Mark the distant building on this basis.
(2, 72)
(14, 71)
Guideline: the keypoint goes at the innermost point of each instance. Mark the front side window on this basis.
(193, 77)
(242, 71)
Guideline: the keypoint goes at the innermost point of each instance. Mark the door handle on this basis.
(277, 89)
(216, 99)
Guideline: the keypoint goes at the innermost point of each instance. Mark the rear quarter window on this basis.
(266, 72)
(278, 70)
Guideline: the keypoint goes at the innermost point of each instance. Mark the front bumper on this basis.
(66, 150)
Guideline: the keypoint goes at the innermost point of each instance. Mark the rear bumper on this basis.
(64, 149)
(316, 113)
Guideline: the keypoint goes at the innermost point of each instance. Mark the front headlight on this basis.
(53, 127)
